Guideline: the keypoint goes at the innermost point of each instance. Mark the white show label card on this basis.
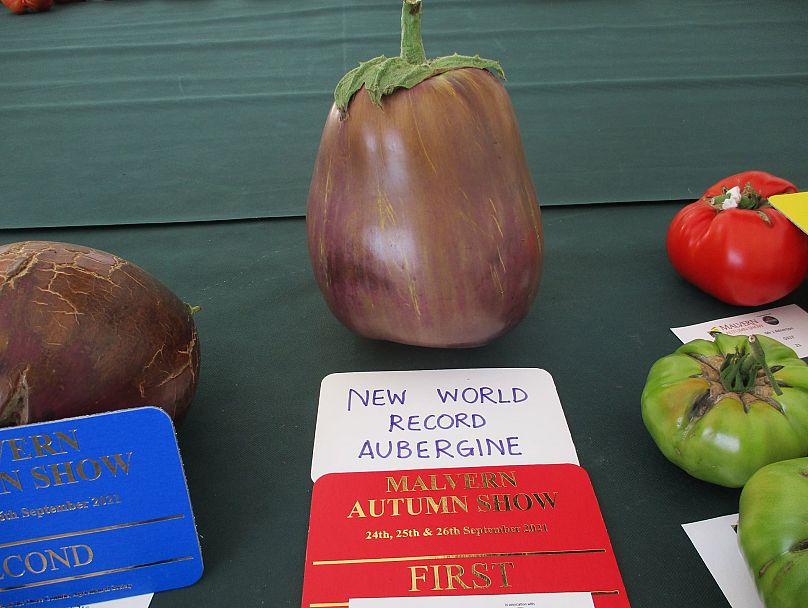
(717, 543)
(532, 600)
(787, 324)
(137, 601)
(379, 421)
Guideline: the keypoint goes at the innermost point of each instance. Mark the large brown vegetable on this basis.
(423, 223)
(83, 331)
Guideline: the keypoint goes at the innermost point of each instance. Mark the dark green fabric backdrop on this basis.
(136, 111)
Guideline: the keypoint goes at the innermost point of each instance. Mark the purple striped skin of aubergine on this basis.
(83, 331)
(423, 222)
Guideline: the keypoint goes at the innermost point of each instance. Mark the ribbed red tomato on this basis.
(734, 245)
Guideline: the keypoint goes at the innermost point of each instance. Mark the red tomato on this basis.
(28, 6)
(746, 255)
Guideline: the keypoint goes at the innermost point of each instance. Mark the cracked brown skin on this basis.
(83, 331)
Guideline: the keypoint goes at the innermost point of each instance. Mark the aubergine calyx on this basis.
(382, 75)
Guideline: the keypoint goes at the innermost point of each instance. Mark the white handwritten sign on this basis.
(378, 421)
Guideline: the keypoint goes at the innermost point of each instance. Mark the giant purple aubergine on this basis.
(83, 331)
(423, 222)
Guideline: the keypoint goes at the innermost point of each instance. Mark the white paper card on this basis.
(787, 324)
(523, 600)
(717, 543)
(136, 601)
(380, 421)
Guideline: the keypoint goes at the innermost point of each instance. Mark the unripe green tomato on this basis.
(720, 426)
(773, 532)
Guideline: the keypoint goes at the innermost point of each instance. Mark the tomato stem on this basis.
(731, 198)
(412, 45)
(757, 349)
(739, 371)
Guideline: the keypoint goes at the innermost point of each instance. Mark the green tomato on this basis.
(773, 532)
(722, 409)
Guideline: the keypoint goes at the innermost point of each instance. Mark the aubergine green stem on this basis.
(381, 75)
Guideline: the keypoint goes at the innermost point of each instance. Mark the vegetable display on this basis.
(773, 532)
(33, 6)
(423, 223)
(734, 245)
(28, 6)
(83, 331)
(723, 409)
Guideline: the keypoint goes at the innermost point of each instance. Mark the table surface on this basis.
(607, 300)
(155, 111)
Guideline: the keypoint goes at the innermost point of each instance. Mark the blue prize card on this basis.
(93, 509)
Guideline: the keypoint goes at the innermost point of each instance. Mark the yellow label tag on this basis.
(794, 207)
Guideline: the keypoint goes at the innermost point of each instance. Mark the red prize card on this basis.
(464, 531)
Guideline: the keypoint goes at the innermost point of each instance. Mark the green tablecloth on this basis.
(607, 301)
(149, 111)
